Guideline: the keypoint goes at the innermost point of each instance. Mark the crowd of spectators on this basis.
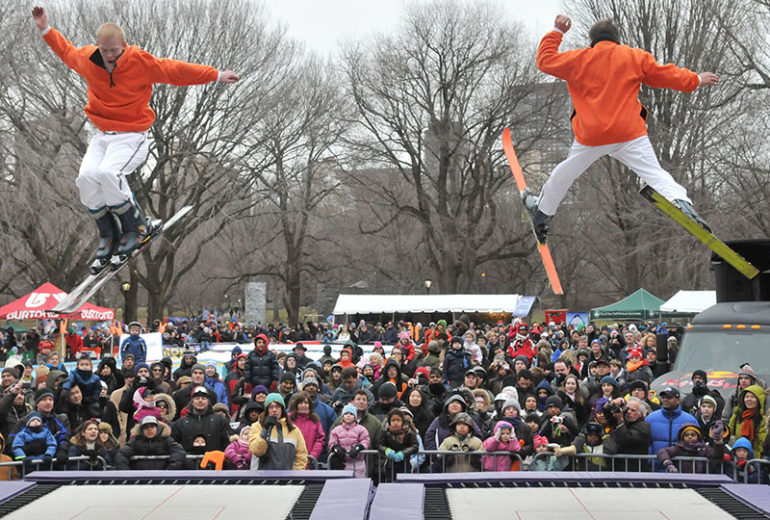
(433, 398)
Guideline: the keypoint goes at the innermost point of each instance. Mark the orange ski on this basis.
(521, 185)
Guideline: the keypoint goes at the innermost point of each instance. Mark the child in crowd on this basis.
(741, 453)
(504, 439)
(548, 461)
(399, 442)
(690, 444)
(34, 441)
(237, 452)
(461, 440)
(347, 441)
(588, 441)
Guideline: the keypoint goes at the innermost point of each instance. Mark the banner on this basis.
(577, 319)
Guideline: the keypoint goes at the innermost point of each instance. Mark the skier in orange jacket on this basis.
(608, 119)
(119, 79)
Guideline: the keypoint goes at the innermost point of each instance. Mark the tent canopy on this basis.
(37, 305)
(640, 306)
(404, 303)
(688, 303)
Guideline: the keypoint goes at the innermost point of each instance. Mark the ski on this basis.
(521, 185)
(712, 242)
(86, 289)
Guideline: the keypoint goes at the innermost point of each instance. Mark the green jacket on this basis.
(760, 424)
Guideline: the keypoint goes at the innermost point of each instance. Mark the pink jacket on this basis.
(499, 462)
(347, 437)
(313, 433)
(239, 454)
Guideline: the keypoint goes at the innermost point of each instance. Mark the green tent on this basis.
(639, 306)
(17, 329)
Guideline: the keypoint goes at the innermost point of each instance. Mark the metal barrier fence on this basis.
(761, 473)
(17, 469)
(629, 463)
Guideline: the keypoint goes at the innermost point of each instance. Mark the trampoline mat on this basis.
(581, 504)
(162, 502)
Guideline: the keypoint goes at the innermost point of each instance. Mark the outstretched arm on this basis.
(708, 78)
(228, 76)
(40, 16)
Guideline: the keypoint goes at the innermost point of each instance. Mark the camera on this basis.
(610, 409)
(558, 419)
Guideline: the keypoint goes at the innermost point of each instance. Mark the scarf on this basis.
(747, 423)
(630, 367)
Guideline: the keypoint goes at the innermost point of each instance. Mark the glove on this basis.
(271, 421)
(339, 451)
(399, 456)
(355, 451)
(20, 457)
(62, 457)
(717, 430)
(47, 459)
(670, 466)
(389, 453)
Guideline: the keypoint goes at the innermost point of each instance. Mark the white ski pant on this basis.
(637, 154)
(102, 178)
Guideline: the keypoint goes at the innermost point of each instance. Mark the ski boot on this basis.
(539, 219)
(687, 209)
(136, 228)
(109, 236)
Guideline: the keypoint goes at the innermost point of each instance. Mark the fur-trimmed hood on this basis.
(169, 417)
(165, 430)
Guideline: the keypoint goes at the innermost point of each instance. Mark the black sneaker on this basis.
(687, 209)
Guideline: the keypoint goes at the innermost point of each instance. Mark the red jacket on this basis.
(120, 101)
(604, 82)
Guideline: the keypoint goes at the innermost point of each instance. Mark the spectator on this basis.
(86, 442)
(157, 374)
(666, 422)
(636, 367)
(58, 425)
(690, 444)
(746, 378)
(442, 427)
(182, 396)
(261, 366)
(236, 385)
(213, 382)
(557, 426)
(302, 360)
(741, 453)
(72, 405)
(325, 412)
(288, 385)
(275, 426)
(420, 405)
(201, 420)
(461, 440)
(691, 401)
(456, 362)
(237, 452)
(398, 444)
(503, 439)
(89, 383)
(366, 419)
(641, 390)
(347, 441)
(134, 343)
(588, 442)
(350, 385)
(748, 418)
(185, 366)
(13, 407)
(631, 435)
(151, 440)
(34, 441)
(706, 415)
(303, 415)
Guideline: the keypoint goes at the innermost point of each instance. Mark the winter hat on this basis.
(701, 373)
(610, 381)
(387, 391)
(458, 398)
(275, 398)
(510, 391)
(196, 366)
(10, 370)
(259, 389)
(33, 415)
(456, 339)
(499, 428)
(148, 419)
(523, 358)
(512, 402)
(746, 370)
(309, 381)
(43, 393)
(327, 350)
(288, 376)
(463, 418)
(141, 365)
(502, 397)
(539, 440)
(221, 407)
(640, 384)
(183, 380)
(689, 427)
(708, 399)
(600, 404)
(635, 352)
(403, 335)
(553, 400)
(350, 408)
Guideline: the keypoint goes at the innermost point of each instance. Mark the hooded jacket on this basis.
(258, 445)
(37, 441)
(214, 427)
(760, 424)
(161, 444)
(664, 427)
(441, 427)
(261, 366)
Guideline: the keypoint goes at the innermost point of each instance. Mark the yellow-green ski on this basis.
(708, 238)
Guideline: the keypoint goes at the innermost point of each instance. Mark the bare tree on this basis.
(432, 101)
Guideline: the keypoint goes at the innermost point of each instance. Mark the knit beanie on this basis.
(512, 402)
(609, 380)
(197, 366)
(689, 428)
(350, 408)
(42, 393)
(275, 398)
(309, 381)
(555, 401)
(387, 391)
(463, 418)
(539, 440)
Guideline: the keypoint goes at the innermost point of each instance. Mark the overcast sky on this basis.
(322, 24)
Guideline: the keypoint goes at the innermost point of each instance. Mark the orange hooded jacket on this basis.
(604, 82)
(120, 101)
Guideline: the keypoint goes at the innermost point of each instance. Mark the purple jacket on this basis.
(313, 433)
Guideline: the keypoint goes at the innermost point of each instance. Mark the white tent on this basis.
(403, 303)
(689, 302)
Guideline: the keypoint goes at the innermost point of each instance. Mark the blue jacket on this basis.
(25, 438)
(136, 346)
(326, 413)
(219, 388)
(664, 427)
(91, 385)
